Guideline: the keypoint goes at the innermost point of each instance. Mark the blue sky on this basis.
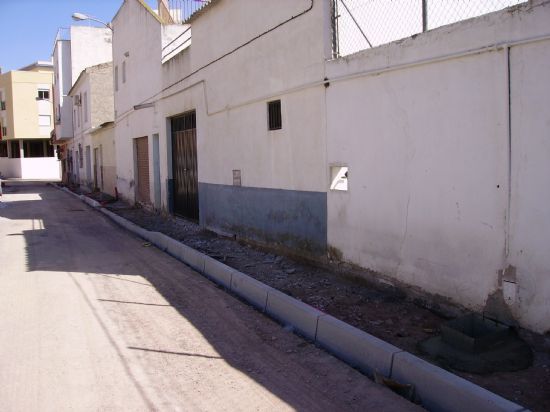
(29, 26)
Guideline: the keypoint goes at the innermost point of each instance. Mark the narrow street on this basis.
(92, 318)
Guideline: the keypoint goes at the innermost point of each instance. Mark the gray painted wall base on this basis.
(295, 219)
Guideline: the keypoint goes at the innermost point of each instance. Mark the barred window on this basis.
(275, 121)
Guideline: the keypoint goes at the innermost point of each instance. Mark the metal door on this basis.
(184, 166)
(142, 163)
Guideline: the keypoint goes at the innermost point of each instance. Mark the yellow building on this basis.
(26, 121)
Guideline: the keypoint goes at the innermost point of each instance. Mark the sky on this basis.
(29, 27)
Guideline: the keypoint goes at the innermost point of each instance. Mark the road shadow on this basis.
(64, 235)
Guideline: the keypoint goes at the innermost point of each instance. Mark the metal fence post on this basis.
(424, 15)
(334, 21)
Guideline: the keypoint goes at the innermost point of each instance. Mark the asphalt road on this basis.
(93, 319)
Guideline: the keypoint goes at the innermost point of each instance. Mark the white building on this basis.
(92, 97)
(423, 160)
(74, 49)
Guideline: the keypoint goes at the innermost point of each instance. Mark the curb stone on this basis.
(358, 348)
(218, 272)
(438, 389)
(288, 310)
(250, 289)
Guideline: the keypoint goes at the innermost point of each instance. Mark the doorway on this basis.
(184, 166)
(142, 170)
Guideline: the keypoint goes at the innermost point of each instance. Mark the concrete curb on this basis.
(250, 289)
(360, 349)
(85, 199)
(218, 272)
(293, 312)
(64, 189)
(438, 389)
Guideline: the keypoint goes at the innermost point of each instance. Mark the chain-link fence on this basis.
(181, 10)
(362, 24)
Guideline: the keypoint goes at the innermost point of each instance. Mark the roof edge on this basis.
(144, 5)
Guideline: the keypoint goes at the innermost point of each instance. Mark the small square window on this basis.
(43, 94)
(274, 115)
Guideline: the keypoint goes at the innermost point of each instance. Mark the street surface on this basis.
(94, 319)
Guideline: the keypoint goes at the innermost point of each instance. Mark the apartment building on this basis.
(26, 122)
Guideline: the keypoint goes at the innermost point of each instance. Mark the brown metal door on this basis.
(142, 160)
(184, 166)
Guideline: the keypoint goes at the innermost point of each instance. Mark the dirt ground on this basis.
(382, 311)
(92, 319)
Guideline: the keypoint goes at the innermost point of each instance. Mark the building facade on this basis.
(92, 101)
(417, 159)
(75, 49)
(26, 121)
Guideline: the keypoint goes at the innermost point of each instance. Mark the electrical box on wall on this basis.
(237, 178)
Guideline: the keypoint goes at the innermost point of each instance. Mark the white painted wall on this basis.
(422, 125)
(232, 114)
(175, 39)
(95, 88)
(137, 40)
(41, 168)
(416, 142)
(61, 87)
(89, 46)
(427, 146)
(104, 140)
(82, 137)
(231, 96)
(530, 194)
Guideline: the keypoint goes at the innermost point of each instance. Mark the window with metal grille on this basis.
(274, 115)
